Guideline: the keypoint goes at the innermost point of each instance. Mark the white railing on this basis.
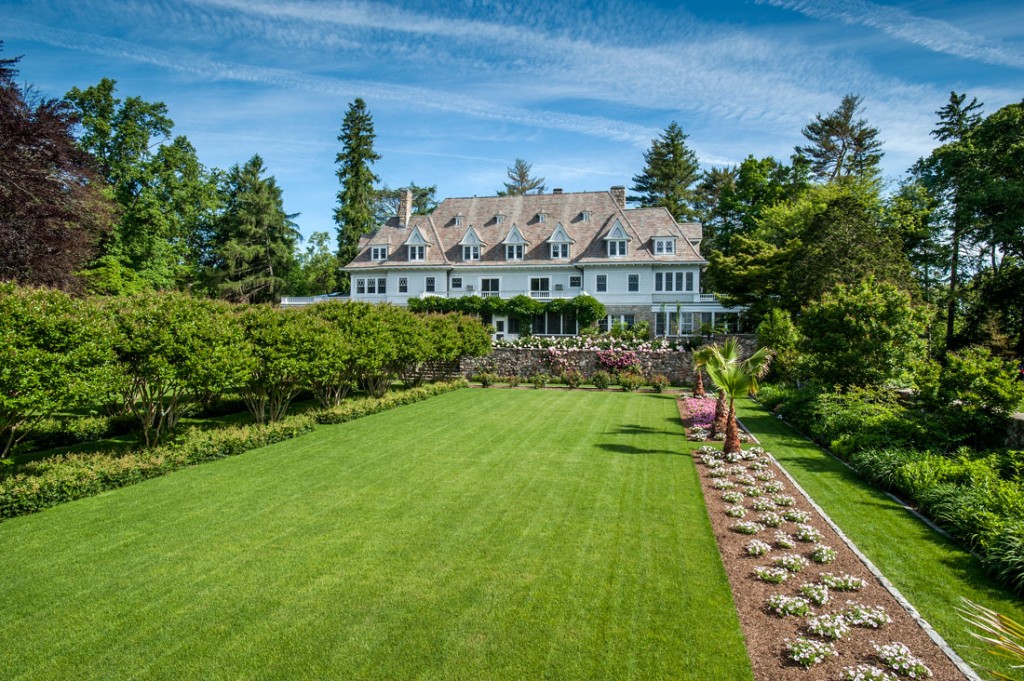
(541, 295)
(299, 301)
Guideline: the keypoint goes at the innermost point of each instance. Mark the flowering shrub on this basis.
(758, 466)
(710, 461)
(807, 652)
(710, 450)
(723, 484)
(783, 540)
(773, 519)
(732, 497)
(764, 475)
(773, 487)
(560, 361)
(602, 342)
(720, 473)
(807, 533)
(783, 606)
(746, 479)
(736, 511)
(659, 382)
(815, 593)
(772, 575)
(796, 516)
(865, 672)
(865, 616)
(841, 582)
(757, 548)
(630, 381)
(830, 626)
(700, 411)
(783, 500)
(902, 661)
(791, 562)
(735, 470)
(539, 380)
(617, 361)
(753, 491)
(823, 554)
(734, 457)
(762, 505)
(697, 434)
(573, 378)
(746, 527)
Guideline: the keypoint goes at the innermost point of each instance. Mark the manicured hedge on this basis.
(40, 484)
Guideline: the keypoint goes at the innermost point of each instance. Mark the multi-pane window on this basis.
(429, 284)
(673, 281)
(633, 283)
(403, 284)
(576, 281)
(539, 286)
(560, 251)
(585, 216)
(360, 286)
(542, 217)
(602, 283)
(382, 285)
(664, 246)
(470, 252)
(490, 287)
(616, 248)
(417, 252)
(372, 286)
(513, 251)
(378, 253)
(456, 282)
(498, 219)
(458, 221)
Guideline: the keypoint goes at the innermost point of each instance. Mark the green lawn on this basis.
(483, 534)
(930, 570)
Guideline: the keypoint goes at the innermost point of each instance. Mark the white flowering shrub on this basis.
(791, 562)
(842, 582)
(806, 533)
(753, 491)
(718, 473)
(783, 540)
(899, 659)
(762, 505)
(807, 652)
(823, 554)
(865, 616)
(783, 500)
(781, 605)
(865, 672)
(771, 575)
(736, 511)
(773, 487)
(745, 479)
(732, 497)
(746, 527)
(723, 484)
(756, 547)
(794, 515)
(830, 626)
(815, 593)
(773, 519)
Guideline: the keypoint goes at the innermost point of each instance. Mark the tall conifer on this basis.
(354, 215)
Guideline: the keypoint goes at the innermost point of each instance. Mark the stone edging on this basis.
(911, 610)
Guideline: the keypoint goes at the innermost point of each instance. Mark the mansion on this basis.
(640, 263)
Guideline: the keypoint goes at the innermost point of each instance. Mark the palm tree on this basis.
(736, 377)
(700, 360)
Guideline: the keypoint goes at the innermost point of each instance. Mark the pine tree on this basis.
(521, 181)
(254, 241)
(670, 172)
(354, 215)
(842, 145)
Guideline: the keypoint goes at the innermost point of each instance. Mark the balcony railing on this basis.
(512, 293)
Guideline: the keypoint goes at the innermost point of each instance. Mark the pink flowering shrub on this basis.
(700, 412)
(617, 361)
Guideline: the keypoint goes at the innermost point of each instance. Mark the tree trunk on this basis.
(698, 390)
(954, 266)
(732, 431)
(721, 416)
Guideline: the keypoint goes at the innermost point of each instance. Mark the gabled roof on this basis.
(607, 220)
(515, 237)
(416, 238)
(471, 238)
(559, 236)
(617, 233)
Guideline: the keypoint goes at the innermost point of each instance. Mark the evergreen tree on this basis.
(254, 240)
(521, 180)
(671, 169)
(354, 215)
(842, 145)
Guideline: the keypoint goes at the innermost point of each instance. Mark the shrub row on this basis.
(40, 484)
(627, 380)
(978, 497)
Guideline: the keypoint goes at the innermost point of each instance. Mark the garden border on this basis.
(966, 669)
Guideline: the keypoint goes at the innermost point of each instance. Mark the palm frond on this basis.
(1004, 636)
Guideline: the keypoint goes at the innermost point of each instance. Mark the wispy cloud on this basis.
(932, 34)
(413, 96)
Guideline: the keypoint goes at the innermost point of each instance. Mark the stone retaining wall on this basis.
(674, 364)
(1015, 433)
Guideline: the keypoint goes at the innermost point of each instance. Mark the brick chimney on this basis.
(404, 207)
(619, 194)
(556, 190)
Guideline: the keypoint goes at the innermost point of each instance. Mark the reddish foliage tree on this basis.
(52, 207)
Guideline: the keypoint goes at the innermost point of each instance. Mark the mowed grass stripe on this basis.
(484, 534)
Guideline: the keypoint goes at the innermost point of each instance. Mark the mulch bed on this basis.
(766, 634)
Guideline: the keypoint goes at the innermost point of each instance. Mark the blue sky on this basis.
(459, 90)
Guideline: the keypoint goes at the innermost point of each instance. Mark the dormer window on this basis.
(458, 221)
(559, 251)
(417, 252)
(585, 216)
(378, 253)
(542, 217)
(498, 219)
(470, 252)
(416, 246)
(616, 248)
(664, 246)
(513, 251)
